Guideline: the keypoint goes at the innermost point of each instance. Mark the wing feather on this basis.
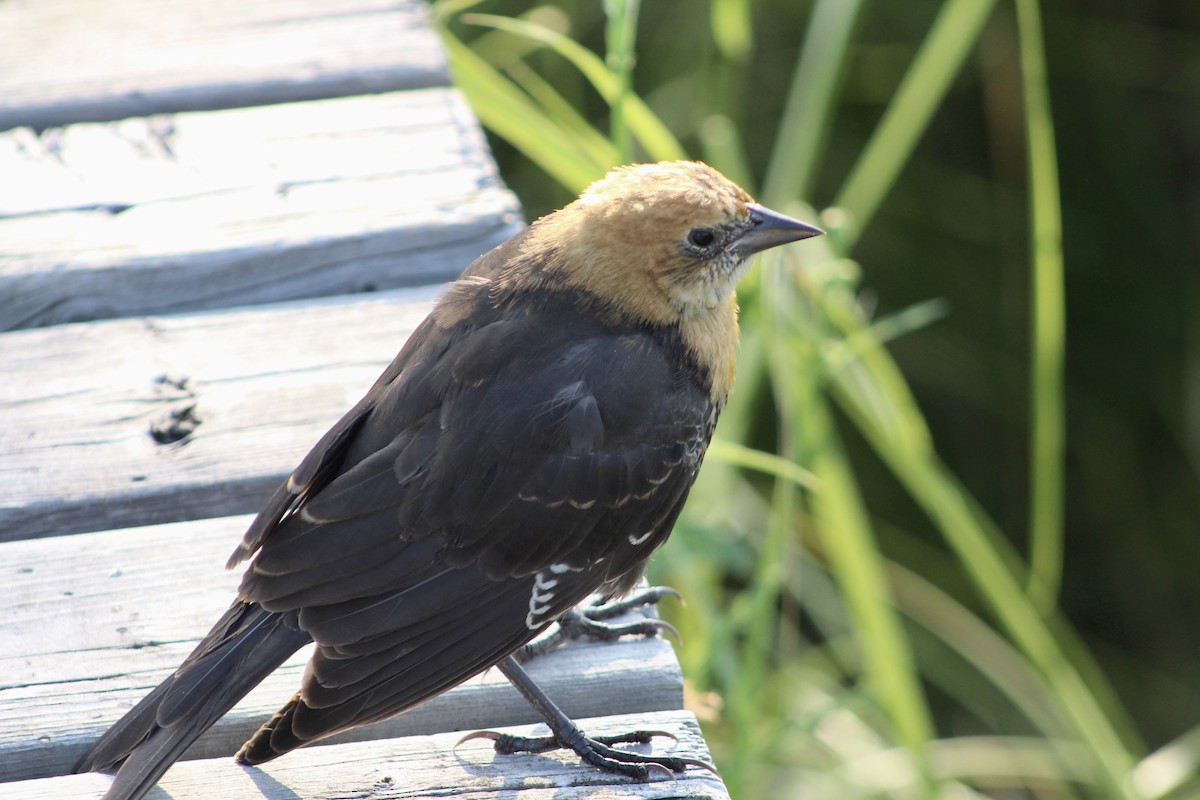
(416, 554)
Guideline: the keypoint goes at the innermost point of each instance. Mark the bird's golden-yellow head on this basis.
(665, 241)
(663, 244)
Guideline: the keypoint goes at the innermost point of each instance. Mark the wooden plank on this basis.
(89, 409)
(420, 767)
(209, 210)
(66, 61)
(94, 621)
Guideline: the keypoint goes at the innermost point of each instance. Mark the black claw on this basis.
(635, 737)
(600, 755)
(580, 626)
(597, 751)
(588, 621)
(670, 630)
(493, 735)
(651, 767)
(607, 609)
(696, 762)
(508, 744)
(564, 733)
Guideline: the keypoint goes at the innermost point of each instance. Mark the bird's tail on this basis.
(245, 646)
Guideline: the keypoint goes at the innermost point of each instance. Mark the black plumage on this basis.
(532, 443)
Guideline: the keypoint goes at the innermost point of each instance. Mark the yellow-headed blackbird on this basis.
(532, 443)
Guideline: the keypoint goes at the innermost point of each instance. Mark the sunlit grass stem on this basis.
(1047, 320)
(811, 102)
(939, 59)
(811, 356)
(620, 34)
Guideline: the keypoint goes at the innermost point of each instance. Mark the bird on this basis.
(532, 443)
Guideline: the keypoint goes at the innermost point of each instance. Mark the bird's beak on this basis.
(771, 229)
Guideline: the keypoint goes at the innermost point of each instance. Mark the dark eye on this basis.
(701, 237)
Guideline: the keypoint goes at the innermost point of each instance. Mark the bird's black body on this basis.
(504, 468)
(508, 463)
(532, 443)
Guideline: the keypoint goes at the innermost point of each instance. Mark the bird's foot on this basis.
(564, 733)
(590, 621)
(597, 750)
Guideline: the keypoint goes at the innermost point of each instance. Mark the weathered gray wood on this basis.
(66, 61)
(79, 404)
(94, 621)
(175, 413)
(211, 210)
(419, 767)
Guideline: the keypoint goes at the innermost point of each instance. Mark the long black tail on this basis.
(245, 646)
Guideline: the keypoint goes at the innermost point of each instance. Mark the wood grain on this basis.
(62, 61)
(200, 271)
(94, 621)
(81, 405)
(413, 768)
(176, 214)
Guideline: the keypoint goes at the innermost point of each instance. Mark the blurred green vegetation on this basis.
(946, 541)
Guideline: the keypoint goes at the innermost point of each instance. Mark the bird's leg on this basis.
(564, 733)
(590, 621)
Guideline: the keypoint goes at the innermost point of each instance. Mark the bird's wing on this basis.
(500, 476)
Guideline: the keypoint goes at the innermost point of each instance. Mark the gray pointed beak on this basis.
(771, 229)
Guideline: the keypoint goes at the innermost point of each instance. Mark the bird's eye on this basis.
(701, 237)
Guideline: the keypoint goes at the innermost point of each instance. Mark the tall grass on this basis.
(815, 632)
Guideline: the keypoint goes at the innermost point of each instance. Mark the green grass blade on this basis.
(563, 114)
(989, 562)
(1012, 765)
(760, 616)
(510, 114)
(620, 30)
(1171, 767)
(987, 651)
(731, 28)
(927, 81)
(855, 559)
(768, 463)
(1047, 319)
(658, 141)
(810, 436)
(885, 329)
(445, 9)
(811, 101)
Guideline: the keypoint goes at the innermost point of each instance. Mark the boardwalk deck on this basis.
(190, 415)
(63, 62)
(218, 222)
(415, 768)
(94, 621)
(208, 210)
